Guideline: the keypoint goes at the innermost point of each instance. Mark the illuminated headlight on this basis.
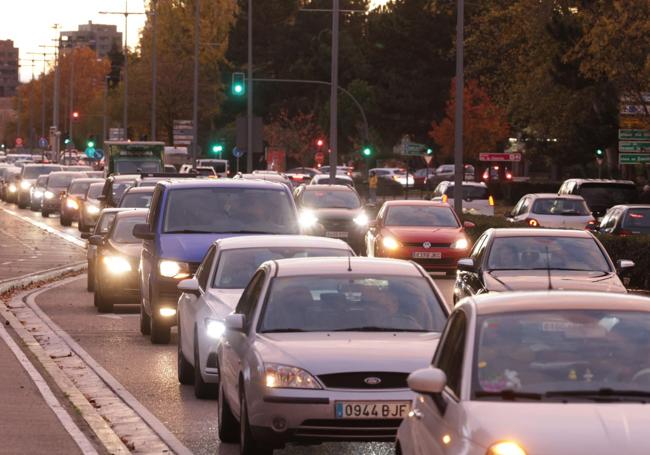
(92, 209)
(173, 269)
(214, 329)
(361, 219)
(390, 243)
(116, 264)
(72, 204)
(506, 448)
(307, 219)
(167, 312)
(38, 194)
(12, 188)
(460, 244)
(286, 377)
(48, 195)
(25, 185)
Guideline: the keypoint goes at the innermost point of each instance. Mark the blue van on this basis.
(185, 217)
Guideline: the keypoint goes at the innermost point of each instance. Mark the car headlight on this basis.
(460, 244)
(506, 448)
(390, 243)
(48, 195)
(286, 377)
(116, 264)
(173, 269)
(307, 219)
(25, 185)
(92, 209)
(12, 187)
(38, 194)
(72, 204)
(361, 219)
(214, 329)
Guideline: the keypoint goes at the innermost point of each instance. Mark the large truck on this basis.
(133, 157)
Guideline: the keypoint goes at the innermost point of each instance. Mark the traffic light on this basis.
(217, 149)
(320, 143)
(429, 151)
(600, 153)
(66, 141)
(238, 86)
(90, 144)
(366, 151)
(75, 116)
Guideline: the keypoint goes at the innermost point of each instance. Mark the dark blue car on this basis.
(185, 217)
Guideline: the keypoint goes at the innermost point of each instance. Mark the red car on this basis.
(429, 233)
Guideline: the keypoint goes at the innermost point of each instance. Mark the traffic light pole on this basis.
(334, 91)
(249, 99)
(460, 86)
(195, 107)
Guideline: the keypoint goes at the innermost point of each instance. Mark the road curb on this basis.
(45, 275)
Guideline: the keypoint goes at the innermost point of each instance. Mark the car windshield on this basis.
(61, 180)
(120, 187)
(94, 190)
(373, 303)
(560, 206)
(137, 166)
(608, 195)
(150, 183)
(420, 216)
(568, 353)
(32, 172)
(542, 252)
(236, 267)
(323, 199)
(230, 210)
(104, 223)
(637, 219)
(78, 188)
(42, 181)
(123, 230)
(136, 200)
(470, 192)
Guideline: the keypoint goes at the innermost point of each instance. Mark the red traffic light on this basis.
(75, 114)
(320, 142)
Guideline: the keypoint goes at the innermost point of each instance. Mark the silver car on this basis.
(319, 349)
(214, 291)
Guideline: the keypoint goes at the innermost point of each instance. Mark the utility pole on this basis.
(71, 99)
(105, 116)
(460, 86)
(334, 91)
(55, 95)
(154, 68)
(249, 100)
(195, 107)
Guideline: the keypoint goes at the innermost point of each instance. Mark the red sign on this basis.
(276, 159)
(19, 142)
(499, 156)
(319, 157)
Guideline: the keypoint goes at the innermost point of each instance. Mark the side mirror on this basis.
(234, 322)
(142, 231)
(96, 240)
(466, 265)
(427, 381)
(190, 286)
(85, 235)
(593, 227)
(372, 223)
(624, 264)
(469, 225)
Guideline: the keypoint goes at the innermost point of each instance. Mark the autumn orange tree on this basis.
(296, 134)
(484, 123)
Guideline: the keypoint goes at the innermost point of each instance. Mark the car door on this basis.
(470, 282)
(374, 233)
(148, 254)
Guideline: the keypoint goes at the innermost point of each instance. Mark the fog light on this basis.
(279, 423)
(72, 204)
(167, 312)
(92, 209)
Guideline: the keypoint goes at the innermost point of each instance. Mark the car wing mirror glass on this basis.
(142, 231)
(624, 264)
(468, 225)
(234, 322)
(190, 286)
(466, 264)
(96, 240)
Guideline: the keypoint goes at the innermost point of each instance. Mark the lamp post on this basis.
(334, 90)
(154, 68)
(195, 107)
(460, 86)
(249, 100)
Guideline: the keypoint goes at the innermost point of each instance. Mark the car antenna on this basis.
(548, 270)
(349, 262)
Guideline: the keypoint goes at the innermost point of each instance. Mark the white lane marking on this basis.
(6, 263)
(68, 237)
(58, 410)
(156, 425)
(110, 316)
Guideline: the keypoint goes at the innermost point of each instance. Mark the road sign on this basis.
(19, 142)
(634, 146)
(639, 122)
(634, 109)
(42, 143)
(116, 134)
(633, 158)
(632, 134)
(413, 149)
(237, 152)
(428, 159)
(183, 132)
(499, 156)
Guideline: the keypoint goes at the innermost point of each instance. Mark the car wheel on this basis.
(65, 221)
(90, 281)
(45, 213)
(185, 369)
(22, 205)
(161, 332)
(145, 323)
(227, 425)
(103, 303)
(248, 445)
(34, 208)
(202, 389)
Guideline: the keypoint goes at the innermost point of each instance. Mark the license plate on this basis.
(372, 409)
(337, 234)
(426, 255)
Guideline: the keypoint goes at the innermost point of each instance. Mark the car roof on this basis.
(258, 241)
(556, 196)
(65, 173)
(329, 187)
(98, 183)
(508, 302)
(140, 189)
(115, 210)
(480, 184)
(223, 183)
(134, 213)
(43, 165)
(405, 202)
(539, 232)
(125, 177)
(88, 180)
(631, 206)
(341, 265)
(629, 182)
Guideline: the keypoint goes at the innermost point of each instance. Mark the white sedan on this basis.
(552, 211)
(536, 373)
(214, 291)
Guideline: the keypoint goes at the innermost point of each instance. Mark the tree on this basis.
(296, 134)
(484, 123)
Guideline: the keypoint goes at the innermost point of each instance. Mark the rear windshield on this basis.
(42, 180)
(104, 223)
(219, 167)
(421, 216)
(123, 231)
(559, 206)
(605, 195)
(32, 172)
(94, 190)
(337, 181)
(331, 199)
(469, 192)
(79, 188)
(61, 180)
(638, 218)
(133, 166)
(229, 210)
(136, 200)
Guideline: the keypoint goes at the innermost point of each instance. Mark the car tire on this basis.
(227, 425)
(90, 281)
(202, 390)
(45, 213)
(145, 322)
(103, 303)
(34, 208)
(161, 332)
(247, 444)
(65, 221)
(184, 368)
(81, 226)
(22, 205)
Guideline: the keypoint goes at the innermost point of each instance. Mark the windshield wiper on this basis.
(602, 393)
(509, 395)
(372, 328)
(189, 231)
(287, 330)
(243, 231)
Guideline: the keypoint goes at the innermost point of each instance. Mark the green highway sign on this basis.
(631, 135)
(633, 158)
(634, 146)
(413, 149)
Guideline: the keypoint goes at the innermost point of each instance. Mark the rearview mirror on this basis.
(96, 240)
(427, 381)
(468, 225)
(623, 264)
(190, 286)
(235, 322)
(142, 231)
(466, 264)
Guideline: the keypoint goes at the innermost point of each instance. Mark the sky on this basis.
(29, 23)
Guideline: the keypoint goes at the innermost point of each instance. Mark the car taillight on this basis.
(486, 175)
(508, 176)
(445, 198)
(532, 222)
(491, 201)
(624, 232)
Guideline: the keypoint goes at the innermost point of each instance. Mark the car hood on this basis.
(329, 214)
(131, 250)
(340, 352)
(421, 234)
(532, 280)
(541, 428)
(221, 302)
(188, 247)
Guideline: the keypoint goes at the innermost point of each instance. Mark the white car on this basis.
(476, 197)
(319, 349)
(559, 373)
(324, 179)
(552, 211)
(213, 293)
(397, 174)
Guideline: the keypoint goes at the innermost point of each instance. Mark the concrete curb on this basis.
(31, 278)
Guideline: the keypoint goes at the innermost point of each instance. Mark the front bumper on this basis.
(51, 205)
(446, 263)
(121, 286)
(70, 213)
(350, 233)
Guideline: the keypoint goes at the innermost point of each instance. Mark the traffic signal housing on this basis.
(366, 151)
(600, 154)
(238, 86)
(217, 149)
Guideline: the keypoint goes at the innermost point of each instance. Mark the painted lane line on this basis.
(25, 280)
(68, 237)
(73, 430)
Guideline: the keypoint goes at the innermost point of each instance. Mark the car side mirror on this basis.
(429, 381)
(235, 322)
(592, 227)
(624, 264)
(466, 265)
(372, 223)
(468, 225)
(96, 240)
(190, 286)
(85, 235)
(142, 231)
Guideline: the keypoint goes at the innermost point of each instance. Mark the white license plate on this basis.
(426, 255)
(372, 409)
(337, 234)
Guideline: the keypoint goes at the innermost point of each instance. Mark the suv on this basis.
(601, 194)
(476, 198)
(185, 217)
(28, 177)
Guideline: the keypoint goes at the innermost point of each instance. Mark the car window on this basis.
(136, 200)
(560, 206)
(32, 172)
(203, 275)
(42, 180)
(421, 216)
(154, 211)
(470, 192)
(78, 188)
(450, 354)
(607, 194)
(57, 180)
(94, 190)
(250, 296)
(479, 249)
(136, 166)
(122, 231)
(104, 223)
(118, 188)
(320, 199)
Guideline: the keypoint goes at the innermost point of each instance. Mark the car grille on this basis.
(357, 380)
(433, 245)
(348, 429)
(337, 224)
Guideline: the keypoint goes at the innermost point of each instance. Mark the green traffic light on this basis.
(429, 151)
(599, 153)
(238, 88)
(67, 141)
(217, 148)
(367, 151)
(91, 144)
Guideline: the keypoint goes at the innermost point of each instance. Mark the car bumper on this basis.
(51, 205)
(355, 237)
(73, 214)
(122, 286)
(446, 263)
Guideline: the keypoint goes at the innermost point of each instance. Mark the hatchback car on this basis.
(319, 349)
(476, 197)
(214, 291)
(90, 207)
(36, 193)
(535, 373)
(426, 232)
(28, 177)
(552, 211)
(626, 220)
(601, 194)
(57, 184)
(528, 259)
(72, 200)
(137, 197)
(324, 179)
